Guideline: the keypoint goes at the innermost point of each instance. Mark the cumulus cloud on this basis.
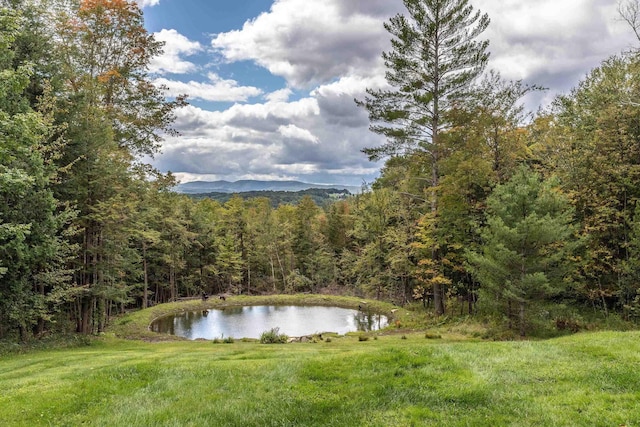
(294, 132)
(546, 42)
(552, 43)
(281, 95)
(176, 46)
(311, 42)
(272, 140)
(332, 49)
(216, 89)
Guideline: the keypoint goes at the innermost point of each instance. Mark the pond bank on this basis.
(136, 325)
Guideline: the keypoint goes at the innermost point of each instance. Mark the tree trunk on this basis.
(284, 276)
(522, 324)
(145, 292)
(245, 261)
(438, 290)
(102, 314)
(603, 300)
(84, 319)
(273, 272)
(41, 323)
(172, 282)
(248, 278)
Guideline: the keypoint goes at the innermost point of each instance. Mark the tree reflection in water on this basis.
(251, 321)
(370, 321)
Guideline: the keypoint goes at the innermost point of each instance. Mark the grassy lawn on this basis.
(399, 379)
(587, 379)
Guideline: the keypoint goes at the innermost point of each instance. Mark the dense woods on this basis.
(322, 197)
(480, 207)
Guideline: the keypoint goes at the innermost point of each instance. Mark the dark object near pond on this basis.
(205, 296)
(223, 298)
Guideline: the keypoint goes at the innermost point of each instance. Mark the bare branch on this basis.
(629, 10)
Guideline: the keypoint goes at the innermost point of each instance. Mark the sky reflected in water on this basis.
(252, 321)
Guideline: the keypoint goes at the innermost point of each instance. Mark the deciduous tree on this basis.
(33, 244)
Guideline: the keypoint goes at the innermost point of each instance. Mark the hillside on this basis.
(320, 196)
(243, 186)
(581, 380)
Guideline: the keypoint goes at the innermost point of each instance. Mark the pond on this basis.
(252, 321)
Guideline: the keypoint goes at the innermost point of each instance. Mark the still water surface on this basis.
(252, 321)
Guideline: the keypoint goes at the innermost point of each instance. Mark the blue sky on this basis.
(199, 21)
(271, 83)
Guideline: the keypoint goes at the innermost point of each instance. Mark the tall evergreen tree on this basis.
(435, 58)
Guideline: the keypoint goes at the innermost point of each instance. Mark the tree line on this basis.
(479, 206)
(321, 196)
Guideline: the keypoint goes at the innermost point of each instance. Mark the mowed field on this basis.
(589, 379)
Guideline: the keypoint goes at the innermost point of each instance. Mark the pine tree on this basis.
(435, 58)
(527, 241)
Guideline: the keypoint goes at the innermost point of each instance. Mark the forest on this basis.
(481, 208)
(322, 197)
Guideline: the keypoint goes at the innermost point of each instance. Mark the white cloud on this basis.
(216, 89)
(553, 43)
(318, 42)
(351, 85)
(176, 46)
(281, 95)
(332, 49)
(306, 108)
(147, 3)
(310, 42)
(294, 132)
(296, 139)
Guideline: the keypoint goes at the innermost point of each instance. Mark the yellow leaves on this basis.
(428, 273)
(89, 6)
(419, 292)
(106, 12)
(73, 24)
(109, 76)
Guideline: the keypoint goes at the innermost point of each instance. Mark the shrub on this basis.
(567, 324)
(48, 342)
(273, 336)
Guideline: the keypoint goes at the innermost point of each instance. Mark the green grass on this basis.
(589, 379)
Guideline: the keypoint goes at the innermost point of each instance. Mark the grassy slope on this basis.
(586, 379)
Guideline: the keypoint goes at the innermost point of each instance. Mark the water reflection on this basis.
(370, 322)
(251, 321)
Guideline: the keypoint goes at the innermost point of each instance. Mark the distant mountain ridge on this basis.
(243, 186)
